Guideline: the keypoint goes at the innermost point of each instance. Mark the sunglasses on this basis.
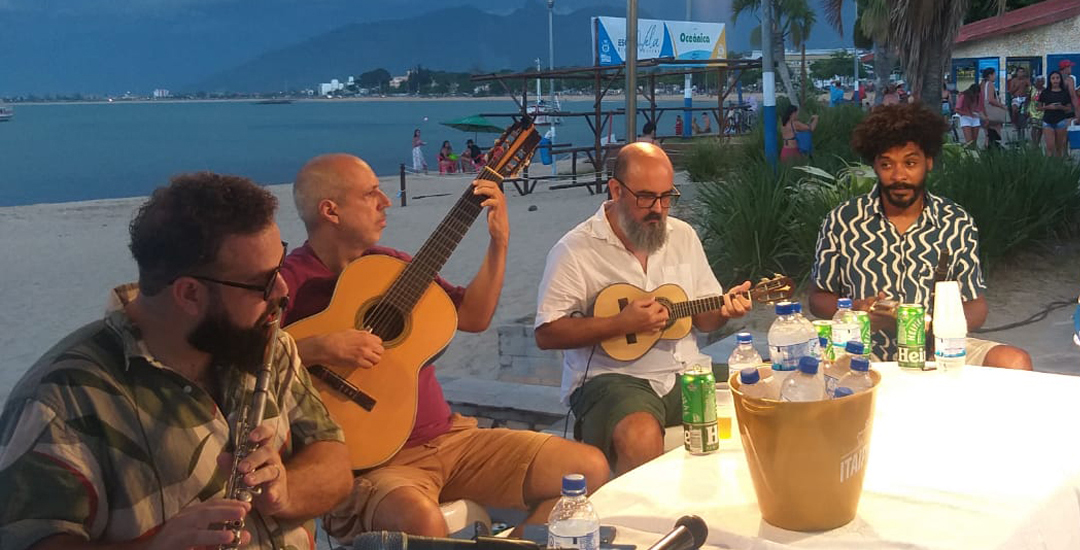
(266, 289)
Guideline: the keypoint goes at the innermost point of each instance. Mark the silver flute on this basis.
(251, 415)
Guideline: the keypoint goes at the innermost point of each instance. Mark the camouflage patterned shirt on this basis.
(102, 441)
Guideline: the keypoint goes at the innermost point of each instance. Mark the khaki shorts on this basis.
(487, 466)
(603, 401)
(975, 351)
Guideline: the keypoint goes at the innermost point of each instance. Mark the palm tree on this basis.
(922, 31)
(788, 15)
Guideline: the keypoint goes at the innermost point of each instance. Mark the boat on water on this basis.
(6, 112)
(542, 112)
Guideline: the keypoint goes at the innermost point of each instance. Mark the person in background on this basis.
(418, 162)
(120, 436)
(969, 107)
(622, 407)
(472, 157)
(447, 159)
(1018, 87)
(886, 243)
(1035, 116)
(678, 125)
(988, 92)
(694, 126)
(892, 97)
(1069, 81)
(447, 456)
(706, 123)
(946, 100)
(790, 125)
(836, 94)
(1056, 107)
(648, 133)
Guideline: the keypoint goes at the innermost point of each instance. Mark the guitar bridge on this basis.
(343, 386)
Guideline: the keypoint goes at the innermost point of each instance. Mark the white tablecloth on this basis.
(980, 458)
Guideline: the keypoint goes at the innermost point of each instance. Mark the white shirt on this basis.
(591, 257)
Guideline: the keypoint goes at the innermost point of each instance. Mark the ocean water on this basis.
(70, 152)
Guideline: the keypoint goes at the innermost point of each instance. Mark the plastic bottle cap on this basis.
(796, 307)
(808, 364)
(844, 303)
(749, 375)
(784, 308)
(823, 341)
(842, 392)
(855, 347)
(573, 484)
(860, 364)
(744, 338)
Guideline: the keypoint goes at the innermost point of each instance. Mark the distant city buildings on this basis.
(162, 93)
(327, 88)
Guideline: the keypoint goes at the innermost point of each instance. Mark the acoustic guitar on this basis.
(629, 347)
(415, 318)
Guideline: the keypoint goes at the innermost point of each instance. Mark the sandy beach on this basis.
(64, 258)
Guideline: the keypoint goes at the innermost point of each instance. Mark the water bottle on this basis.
(573, 522)
(812, 338)
(842, 392)
(744, 354)
(837, 369)
(787, 342)
(751, 385)
(804, 385)
(859, 378)
(950, 326)
(845, 327)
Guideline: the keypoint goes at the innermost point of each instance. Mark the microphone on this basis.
(396, 540)
(689, 533)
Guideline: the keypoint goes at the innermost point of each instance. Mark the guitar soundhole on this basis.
(385, 321)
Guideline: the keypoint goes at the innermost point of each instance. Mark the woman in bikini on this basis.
(789, 125)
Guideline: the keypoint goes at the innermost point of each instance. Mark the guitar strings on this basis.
(443, 241)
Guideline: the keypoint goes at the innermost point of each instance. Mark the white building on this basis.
(161, 93)
(327, 88)
(1037, 38)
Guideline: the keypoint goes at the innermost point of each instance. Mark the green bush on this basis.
(754, 221)
(1016, 196)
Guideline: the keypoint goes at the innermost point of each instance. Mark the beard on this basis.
(644, 236)
(228, 344)
(918, 190)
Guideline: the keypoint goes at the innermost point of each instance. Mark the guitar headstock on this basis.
(775, 289)
(514, 148)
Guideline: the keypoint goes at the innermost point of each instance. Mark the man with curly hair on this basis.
(886, 244)
(120, 435)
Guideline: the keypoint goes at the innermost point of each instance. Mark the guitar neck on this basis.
(431, 257)
(693, 307)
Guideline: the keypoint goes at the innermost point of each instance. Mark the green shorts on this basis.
(608, 398)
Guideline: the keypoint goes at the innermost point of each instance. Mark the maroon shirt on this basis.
(311, 285)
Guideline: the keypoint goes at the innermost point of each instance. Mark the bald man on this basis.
(446, 457)
(623, 407)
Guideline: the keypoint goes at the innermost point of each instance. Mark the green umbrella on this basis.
(474, 124)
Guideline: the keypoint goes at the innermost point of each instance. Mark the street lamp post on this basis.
(551, 81)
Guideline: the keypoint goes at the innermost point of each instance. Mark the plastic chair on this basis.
(463, 514)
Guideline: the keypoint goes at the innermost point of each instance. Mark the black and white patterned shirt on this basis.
(860, 253)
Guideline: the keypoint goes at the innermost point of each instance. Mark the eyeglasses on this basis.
(266, 289)
(647, 200)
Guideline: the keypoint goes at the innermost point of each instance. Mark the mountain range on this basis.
(94, 47)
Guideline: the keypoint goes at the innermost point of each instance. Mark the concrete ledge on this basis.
(506, 404)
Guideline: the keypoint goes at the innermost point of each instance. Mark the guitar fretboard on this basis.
(693, 307)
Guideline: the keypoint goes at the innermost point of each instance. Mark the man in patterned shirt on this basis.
(119, 435)
(886, 244)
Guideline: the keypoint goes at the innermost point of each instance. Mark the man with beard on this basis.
(446, 457)
(886, 244)
(623, 407)
(120, 435)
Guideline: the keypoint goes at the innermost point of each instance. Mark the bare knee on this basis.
(594, 466)
(638, 437)
(1009, 357)
(409, 510)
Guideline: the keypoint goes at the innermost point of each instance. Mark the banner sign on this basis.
(676, 39)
